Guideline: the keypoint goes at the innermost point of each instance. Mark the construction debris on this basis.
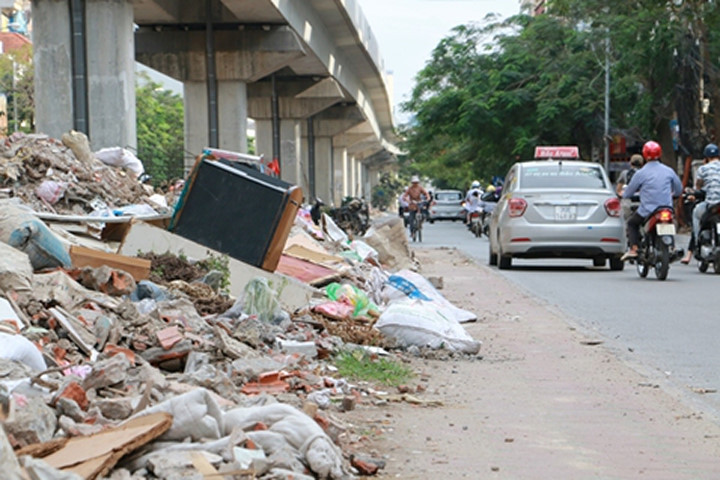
(160, 358)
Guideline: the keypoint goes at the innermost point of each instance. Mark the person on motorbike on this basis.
(658, 185)
(414, 195)
(472, 197)
(708, 180)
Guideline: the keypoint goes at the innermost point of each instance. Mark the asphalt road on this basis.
(668, 330)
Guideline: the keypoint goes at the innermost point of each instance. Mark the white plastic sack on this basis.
(20, 349)
(120, 157)
(301, 431)
(196, 415)
(334, 233)
(419, 323)
(410, 285)
(364, 250)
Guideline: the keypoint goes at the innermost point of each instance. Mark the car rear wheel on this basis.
(492, 257)
(616, 264)
(504, 262)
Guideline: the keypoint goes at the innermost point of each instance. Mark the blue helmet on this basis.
(711, 151)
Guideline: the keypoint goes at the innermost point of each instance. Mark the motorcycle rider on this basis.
(472, 198)
(658, 185)
(707, 179)
(414, 195)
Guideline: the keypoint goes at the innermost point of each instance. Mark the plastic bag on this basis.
(410, 285)
(51, 191)
(420, 323)
(352, 295)
(120, 157)
(259, 299)
(20, 349)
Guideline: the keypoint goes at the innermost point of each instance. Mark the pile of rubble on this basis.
(129, 363)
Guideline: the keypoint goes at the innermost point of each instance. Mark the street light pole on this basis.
(606, 137)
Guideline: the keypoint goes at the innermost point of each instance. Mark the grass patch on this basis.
(359, 365)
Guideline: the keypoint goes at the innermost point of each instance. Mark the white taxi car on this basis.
(557, 207)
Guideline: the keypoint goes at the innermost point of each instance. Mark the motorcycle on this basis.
(707, 249)
(476, 222)
(657, 244)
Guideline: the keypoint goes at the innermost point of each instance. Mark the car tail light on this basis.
(516, 207)
(612, 207)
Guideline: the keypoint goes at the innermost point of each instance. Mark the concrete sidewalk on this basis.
(546, 401)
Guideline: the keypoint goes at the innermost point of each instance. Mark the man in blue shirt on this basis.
(658, 185)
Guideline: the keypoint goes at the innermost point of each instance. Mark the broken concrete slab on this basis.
(144, 237)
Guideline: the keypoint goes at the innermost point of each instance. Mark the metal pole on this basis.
(275, 107)
(79, 67)
(14, 86)
(311, 155)
(211, 77)
(606, 140)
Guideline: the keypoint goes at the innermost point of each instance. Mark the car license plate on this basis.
(665, 228)
(565, 213)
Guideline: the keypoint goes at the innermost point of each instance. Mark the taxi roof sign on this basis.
(567, 152)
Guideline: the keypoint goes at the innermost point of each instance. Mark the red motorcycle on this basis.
(657, 243)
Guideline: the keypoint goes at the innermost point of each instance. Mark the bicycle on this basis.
(416, 221)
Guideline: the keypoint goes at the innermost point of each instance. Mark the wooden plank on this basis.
(139, 268)
(95, 455)
(287, 220)
(303, 270)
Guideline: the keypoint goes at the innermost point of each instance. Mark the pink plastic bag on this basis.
(51, 191)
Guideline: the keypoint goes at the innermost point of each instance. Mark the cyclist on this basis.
(413, 196)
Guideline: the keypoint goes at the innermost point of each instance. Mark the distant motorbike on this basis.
(476, 223)
(657, 244)
(708, 241)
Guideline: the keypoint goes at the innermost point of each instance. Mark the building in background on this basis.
(535, 7)
(16, 16)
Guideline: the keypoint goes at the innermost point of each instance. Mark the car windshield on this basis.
(558, 175)
(448, 196)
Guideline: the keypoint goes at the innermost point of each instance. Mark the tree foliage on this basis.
(479, 105)
(16, 82)
(160, 131)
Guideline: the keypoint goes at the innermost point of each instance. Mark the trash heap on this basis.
(48, 176)
(160, 371)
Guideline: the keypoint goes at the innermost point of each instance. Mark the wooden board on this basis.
(304, 270)
(95, 455)
(139, 268)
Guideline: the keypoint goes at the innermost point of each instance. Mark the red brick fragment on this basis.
(75, 392)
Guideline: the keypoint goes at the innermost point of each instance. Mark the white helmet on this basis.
(475, 184)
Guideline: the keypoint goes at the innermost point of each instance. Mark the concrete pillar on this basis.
(323, 168)
(291, 169)
(196, 120)
(263, 138)
(352, 176)
(111, 73)
(340, 166)
(110, 51)
(232, 108)
(53, 67)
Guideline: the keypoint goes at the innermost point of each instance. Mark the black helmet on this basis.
(711, 151)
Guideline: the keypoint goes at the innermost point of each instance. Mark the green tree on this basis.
(478, 107)
(160, 131)
(16, 82)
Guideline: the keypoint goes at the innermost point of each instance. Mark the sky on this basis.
(407, 31)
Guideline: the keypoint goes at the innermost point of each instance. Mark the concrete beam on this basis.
(245, 55)
(299, 99)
